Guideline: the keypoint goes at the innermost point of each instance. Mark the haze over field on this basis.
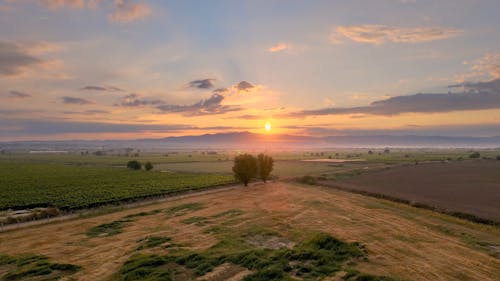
(389, 72)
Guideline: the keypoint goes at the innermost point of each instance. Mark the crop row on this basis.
(31, 185)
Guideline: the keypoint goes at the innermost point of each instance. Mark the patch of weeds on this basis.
(198, 221)
(142, 214)
(153, 241)
(152, 268)
(184, 209)
(228, 213)
(108, 229)
(34, 266)
(215, 229)
(320, 256)
(354, 275)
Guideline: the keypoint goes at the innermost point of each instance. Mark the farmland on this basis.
(29, 185)
(230, 235)
(471, 187)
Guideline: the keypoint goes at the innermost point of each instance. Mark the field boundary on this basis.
(460, 215)
(127, 204)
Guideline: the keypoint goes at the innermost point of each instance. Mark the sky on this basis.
(127, 69)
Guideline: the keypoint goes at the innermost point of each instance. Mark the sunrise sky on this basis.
(114, 69)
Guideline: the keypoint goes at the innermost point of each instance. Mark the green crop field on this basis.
(29, 185)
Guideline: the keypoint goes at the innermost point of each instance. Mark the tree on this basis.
(148, 166)
(265, 166)
(134, 165)
(245, 168)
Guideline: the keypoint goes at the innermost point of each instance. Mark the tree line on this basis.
(246, 167)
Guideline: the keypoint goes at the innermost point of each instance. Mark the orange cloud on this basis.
(279, 47)
(379, 34)
(125, 12)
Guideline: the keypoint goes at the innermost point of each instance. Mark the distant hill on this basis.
(247, 140)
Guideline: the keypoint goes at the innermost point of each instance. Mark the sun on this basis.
(268, 126)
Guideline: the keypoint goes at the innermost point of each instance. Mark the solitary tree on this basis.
(148, 166)
(134, 165)
(265, 166)
(245, 168)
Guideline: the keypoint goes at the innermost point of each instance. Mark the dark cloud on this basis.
(489, 86)
(220, 90)
(17, 94)
(244, 86)
(14, 59)
(134, 100)
(86, 112)
(202, 83)
(32, 127)
(484, 96)
(210, 106)
(74, 100)
(248, 117)
(102, 89)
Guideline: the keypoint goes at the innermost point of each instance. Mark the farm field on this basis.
(29, 185)
(471, 187)
(260, 224)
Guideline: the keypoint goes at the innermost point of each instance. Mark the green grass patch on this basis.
(228, 213)
(198, 221)
(34, 267)
(152, 242)
(142, 214)
(108, 229)
(183, 209)
(320, 256)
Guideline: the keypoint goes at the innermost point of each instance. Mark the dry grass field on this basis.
(401, 241)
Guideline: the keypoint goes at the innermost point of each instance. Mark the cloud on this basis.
(64, 3)
(210, 106)
(16, 59)
(279, 47)
(244, 86)
(490, 86)
(202, 83)
(125, 11)
(421, 103)
(102, 89)
(74, 100)
(220, 90)
(134, 100)
(86, 112)
(379, 34)
(17, 94)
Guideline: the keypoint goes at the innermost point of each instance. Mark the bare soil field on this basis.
(471, 187)
(400, 241)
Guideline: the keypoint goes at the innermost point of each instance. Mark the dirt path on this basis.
(402, 241)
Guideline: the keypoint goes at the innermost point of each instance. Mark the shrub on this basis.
(498, 157)
(265, 166)
(308, 180)
(475, 154)
(148, 166)
(245, 168)
(134, 165)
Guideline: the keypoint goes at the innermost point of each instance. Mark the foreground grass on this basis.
(320, 256)
(72, 187)
(33, 267)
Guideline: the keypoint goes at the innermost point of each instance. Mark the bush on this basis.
(475, 154)
(498, 157)
(308, 180)
(265, 166)
(134, 165)
(148, 166)
(245, 168)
